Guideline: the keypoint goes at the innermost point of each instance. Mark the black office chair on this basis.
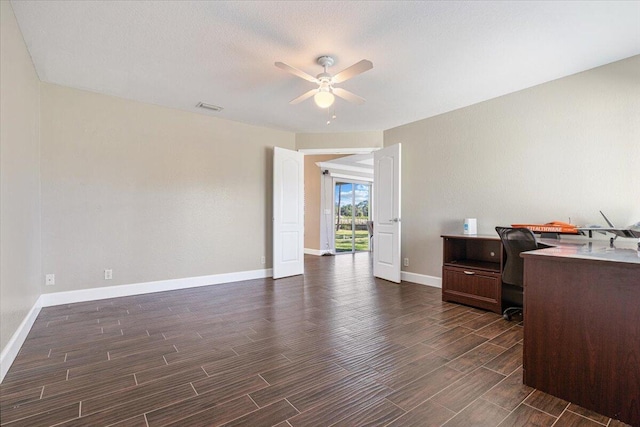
(514, 241)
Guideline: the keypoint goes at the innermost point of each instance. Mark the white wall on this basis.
(567, 148)
(150, 192)
(20, 252)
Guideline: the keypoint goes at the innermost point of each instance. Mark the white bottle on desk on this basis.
(470, 226)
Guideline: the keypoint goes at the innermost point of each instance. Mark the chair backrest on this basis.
(515, 241)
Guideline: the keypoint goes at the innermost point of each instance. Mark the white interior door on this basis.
(288, 213)
(386, 227)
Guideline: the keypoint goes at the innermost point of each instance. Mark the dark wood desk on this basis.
(582, 326)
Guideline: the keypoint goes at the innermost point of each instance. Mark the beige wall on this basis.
(312, 196)
(567, 148)
(339, 140)
(20, 255)
(150, 192)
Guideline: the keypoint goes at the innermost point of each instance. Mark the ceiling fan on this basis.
(324, 94)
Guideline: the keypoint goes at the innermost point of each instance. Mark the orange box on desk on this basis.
(550, 227)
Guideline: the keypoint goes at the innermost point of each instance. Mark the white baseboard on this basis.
(83, 295)
(316, 252)
(11, 350)
(421, 279)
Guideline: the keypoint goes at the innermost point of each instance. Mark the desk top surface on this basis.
(471, 236)
(623, 251)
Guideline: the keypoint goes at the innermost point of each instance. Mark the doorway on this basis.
(352, 202)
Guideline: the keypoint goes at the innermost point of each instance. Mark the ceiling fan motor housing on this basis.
(325, 61)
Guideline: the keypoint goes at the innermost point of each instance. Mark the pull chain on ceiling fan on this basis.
(324, 94)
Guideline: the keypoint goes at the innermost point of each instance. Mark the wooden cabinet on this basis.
(471, 271)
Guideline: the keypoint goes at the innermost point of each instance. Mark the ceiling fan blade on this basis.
(354, 70)
(345, 94)
(296, 72)
(303, 97)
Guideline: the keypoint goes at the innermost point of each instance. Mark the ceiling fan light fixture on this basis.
(324, 99)
(324, 95)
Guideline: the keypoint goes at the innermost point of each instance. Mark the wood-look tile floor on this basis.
(332, 347)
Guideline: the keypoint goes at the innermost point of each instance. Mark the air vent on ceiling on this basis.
(209, 107)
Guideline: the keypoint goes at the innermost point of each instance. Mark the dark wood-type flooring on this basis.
(332, 347)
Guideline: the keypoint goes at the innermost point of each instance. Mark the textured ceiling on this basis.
(429, 57)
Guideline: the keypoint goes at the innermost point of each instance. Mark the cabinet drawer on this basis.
(472, 287)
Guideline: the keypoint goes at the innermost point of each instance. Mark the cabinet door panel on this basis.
(458, 281)
(487, 286)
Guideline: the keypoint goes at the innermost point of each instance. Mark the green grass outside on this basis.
(343, 240)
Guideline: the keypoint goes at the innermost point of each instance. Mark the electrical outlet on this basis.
(263, 259)
(406, 262)
(108, 274)
(50, 279)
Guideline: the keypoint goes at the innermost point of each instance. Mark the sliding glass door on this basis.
(351, 213)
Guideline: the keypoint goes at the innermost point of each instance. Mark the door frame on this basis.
(300, 183)
(325, 230)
